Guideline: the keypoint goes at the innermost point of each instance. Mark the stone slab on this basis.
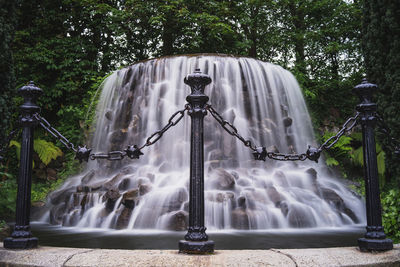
(53, 256)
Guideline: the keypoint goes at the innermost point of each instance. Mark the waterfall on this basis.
(265, 104)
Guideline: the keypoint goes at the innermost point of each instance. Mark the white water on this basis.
(240, 193)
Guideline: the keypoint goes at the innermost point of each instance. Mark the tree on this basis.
(381, 46)
(7, 78)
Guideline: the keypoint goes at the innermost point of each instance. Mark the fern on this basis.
(358, 159)
(46, 151)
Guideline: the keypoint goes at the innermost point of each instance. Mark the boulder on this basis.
(287, 121)
(144, 189)
(299, 217)
(284, 207)
(111, 197)
(123, 218)
(5, 231)
(241, 202)
(281, 179)
(113, 182)
(240, 219)
(312, 173)
(274, 195)
(129, 198)
(332, 198)
(178, 221)
(223, 180)
(88, 177)
(124, 184)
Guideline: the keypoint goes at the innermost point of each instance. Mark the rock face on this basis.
(240, 219)
(299, 217)
(223, 180)
(178, 221)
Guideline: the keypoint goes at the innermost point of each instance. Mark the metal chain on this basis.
(134, 152)
(230, 128)
(347, 127)
(173, 120)
(385, 130)
(56, 134)
(261, 153)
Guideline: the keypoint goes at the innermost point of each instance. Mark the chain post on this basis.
(21, 237)
(196, 240)
(375, 238)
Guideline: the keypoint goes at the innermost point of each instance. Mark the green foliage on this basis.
(8, 196)
(41, 190)
(7, 76)
(339, 151)
(46, 151)
(381, 46)
(391, 213)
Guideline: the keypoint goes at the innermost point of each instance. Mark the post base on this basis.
(366, 244)
(196, 247)
(20, 243)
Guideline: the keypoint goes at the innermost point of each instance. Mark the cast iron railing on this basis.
(196, 239)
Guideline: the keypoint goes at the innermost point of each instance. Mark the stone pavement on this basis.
(56, 256)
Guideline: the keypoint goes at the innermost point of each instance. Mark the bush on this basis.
(391, 213)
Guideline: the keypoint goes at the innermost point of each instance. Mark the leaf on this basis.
(46, 151)
(331, 162)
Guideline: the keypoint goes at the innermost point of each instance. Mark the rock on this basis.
(124, 184)
(51, 174)
(60, 196)
(144, 189)
(287, 121)
(332, 197)
(178, 221)
(108, 115)
(165, 167)
(241, 202)
(123, 218)
(111, 183)
(274, 195)
(224, 180)
(216, 154)
(284, 207)
(235, 174)
(300, 217)
(273, 149)
(280, 177)
(290, 140)
(240, 219)
(351, 214)
(88, 177)
(56, 214)
(38, 209)
(186, 206)
(111, 197)
(151, 176)
(312, 173)
(5, 231)
(243, 182)
(118, 136)
(129, 198)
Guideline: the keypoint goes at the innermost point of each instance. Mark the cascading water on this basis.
(262, 100)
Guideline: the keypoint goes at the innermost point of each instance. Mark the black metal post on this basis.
(196, 240)
(21, 237)
(375, 238)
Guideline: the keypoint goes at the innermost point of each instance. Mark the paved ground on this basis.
(55, 256)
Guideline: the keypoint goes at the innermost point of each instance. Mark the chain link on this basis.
(173, 120)
(347, 127)
(230, 128)
(56, 134)
(384, 129)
